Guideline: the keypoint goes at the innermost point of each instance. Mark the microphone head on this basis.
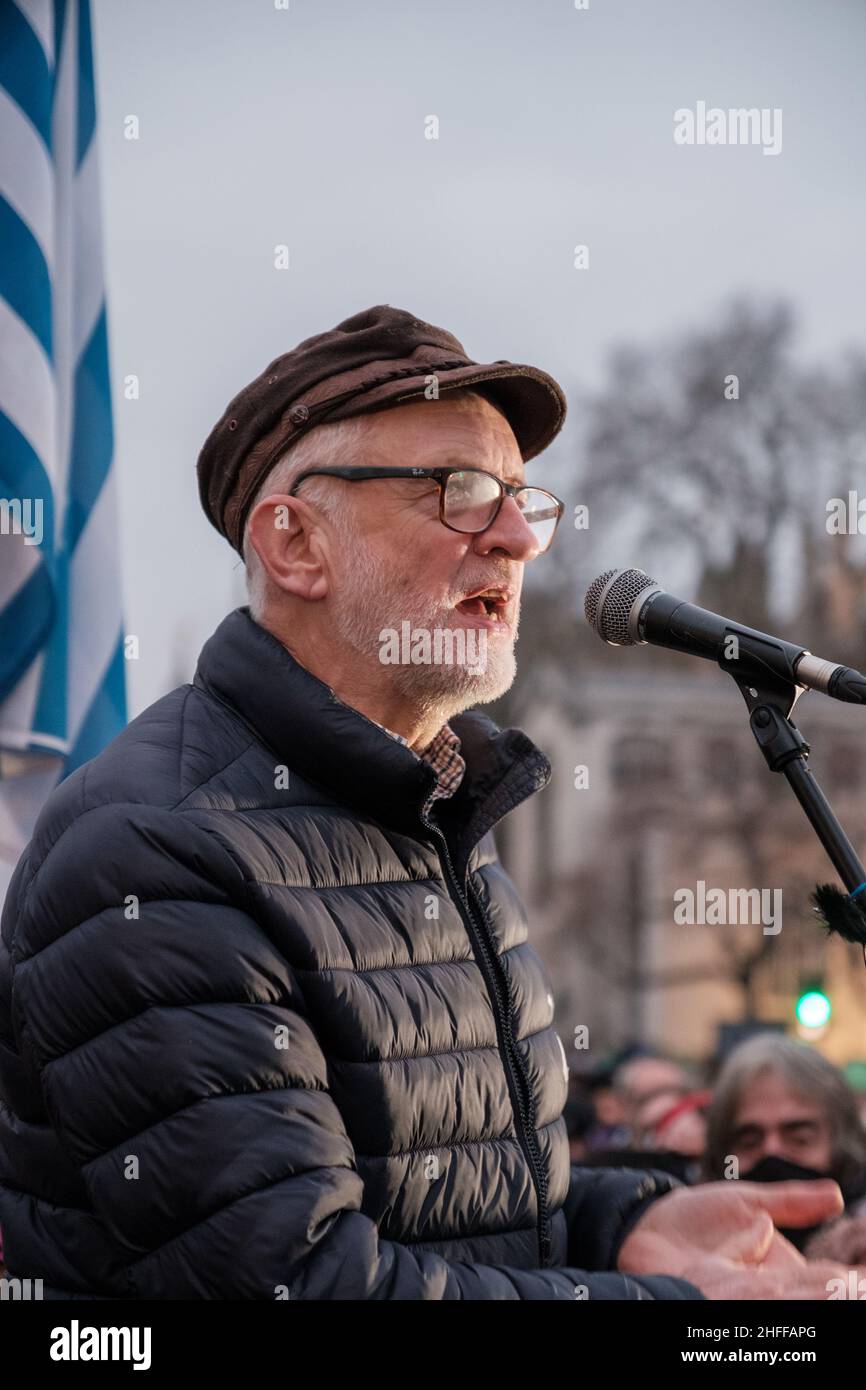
(609, 602)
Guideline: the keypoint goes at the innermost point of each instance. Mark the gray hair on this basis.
(325, 446)
(808, 1074)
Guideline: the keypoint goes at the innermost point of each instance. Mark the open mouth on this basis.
(489, 603)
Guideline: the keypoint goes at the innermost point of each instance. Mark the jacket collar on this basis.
(336, 747)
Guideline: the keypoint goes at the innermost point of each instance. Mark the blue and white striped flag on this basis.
(62, 687)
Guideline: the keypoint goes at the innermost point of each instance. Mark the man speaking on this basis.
(270, 1025)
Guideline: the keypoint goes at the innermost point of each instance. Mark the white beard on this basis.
(377, 596)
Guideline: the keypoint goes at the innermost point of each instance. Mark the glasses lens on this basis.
(471, 500)
(541, 511)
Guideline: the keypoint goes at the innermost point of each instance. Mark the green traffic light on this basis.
(813, 1009)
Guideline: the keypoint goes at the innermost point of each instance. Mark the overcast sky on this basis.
(306, 127)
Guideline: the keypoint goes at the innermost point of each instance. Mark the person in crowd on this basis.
(677, 1123)
(607, 1129)
(780, 1110)
(643, 1078)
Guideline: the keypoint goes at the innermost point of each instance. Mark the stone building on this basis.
(658, 785)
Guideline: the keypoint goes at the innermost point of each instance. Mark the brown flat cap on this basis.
(374, 360)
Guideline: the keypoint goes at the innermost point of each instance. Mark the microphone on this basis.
(628, 608)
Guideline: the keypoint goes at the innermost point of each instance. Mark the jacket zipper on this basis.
(518, 1081)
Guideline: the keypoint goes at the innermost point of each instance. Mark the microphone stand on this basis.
(770, 701)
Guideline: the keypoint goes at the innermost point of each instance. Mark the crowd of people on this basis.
(777, 1109)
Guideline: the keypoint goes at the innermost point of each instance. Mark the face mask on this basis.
(771, 1168)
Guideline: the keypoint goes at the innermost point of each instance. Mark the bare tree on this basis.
(721, 447)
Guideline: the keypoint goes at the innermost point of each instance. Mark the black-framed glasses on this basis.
(469, 498)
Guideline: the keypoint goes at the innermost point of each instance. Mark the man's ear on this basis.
(289, 540)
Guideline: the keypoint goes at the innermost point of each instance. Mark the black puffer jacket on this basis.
(261, 1040)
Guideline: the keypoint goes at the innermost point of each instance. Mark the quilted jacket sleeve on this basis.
(184, 1081)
